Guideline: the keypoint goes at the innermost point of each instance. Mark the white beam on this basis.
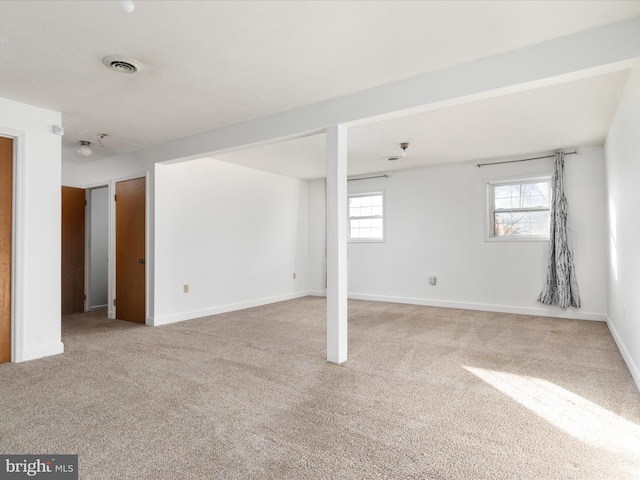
(337, 244)
(585, 53)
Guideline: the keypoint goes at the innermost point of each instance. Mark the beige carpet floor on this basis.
(426, 393)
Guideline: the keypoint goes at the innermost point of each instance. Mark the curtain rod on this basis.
(575, 152)
(367, 178)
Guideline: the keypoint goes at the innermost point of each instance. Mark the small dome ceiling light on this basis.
(404, 147)
(85, 148)
(127, 5)
(122, 64)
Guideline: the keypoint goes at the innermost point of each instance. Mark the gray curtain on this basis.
(561, 287)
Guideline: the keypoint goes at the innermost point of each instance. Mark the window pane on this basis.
(521, 195)
(521, 223)
(508, 223)
(502, 191)
(535, 194)
(502, 203)
(540, 223)
(510, 201)
(376, 211)
(366, 217)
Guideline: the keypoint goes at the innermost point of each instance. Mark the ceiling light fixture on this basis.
(127, 5)
(404, 147)
(85, 148)
(122, 64)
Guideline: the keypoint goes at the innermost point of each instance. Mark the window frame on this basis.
(491, 210)
(382, 193)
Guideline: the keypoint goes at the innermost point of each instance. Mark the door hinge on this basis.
(85, 203)
(115, 198)
(114, 302)
(85, 298)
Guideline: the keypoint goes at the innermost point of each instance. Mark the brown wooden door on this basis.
(73, 244)
(6, 215)
(130, 250)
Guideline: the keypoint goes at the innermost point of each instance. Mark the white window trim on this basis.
(489, 236)
(384, 218)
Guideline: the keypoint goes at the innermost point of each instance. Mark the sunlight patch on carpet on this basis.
(571, 413)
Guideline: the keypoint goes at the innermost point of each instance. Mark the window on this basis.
(520, 209)
(366, 217)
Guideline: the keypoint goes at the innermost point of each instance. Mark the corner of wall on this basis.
(626, 355)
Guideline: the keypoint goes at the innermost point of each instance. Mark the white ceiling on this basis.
(573, 114)
(211, 64)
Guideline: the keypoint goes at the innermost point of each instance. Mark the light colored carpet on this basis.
(426, 393)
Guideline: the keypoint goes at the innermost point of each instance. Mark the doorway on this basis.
(73, 240)
(130, 250)
(6, 236)
(98, 248)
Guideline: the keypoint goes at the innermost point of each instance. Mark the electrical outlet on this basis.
(432, 279)
(185, 288)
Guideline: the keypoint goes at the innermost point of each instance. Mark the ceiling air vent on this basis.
(122, 64)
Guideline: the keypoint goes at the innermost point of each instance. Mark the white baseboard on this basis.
(633, 368)
(180, 317)
(46, 351)
(541, 311)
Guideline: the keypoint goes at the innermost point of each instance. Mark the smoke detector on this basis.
(122, 64)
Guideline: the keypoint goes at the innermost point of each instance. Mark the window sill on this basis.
(530, 238)
(366, 240)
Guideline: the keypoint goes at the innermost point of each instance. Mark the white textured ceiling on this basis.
(212, 64)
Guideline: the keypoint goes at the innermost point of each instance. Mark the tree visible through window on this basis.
(366, 217)
(520, 208)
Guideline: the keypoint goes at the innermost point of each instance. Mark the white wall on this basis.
(264, 260)
(71, 174)
(435, 221)
(623, 177)
(233, 234)
(36, 322)
(317, 237)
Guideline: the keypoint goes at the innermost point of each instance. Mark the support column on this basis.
(336, 244)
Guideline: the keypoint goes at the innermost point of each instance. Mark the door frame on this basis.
(111, 284)
(87, 250)
(17, 238)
